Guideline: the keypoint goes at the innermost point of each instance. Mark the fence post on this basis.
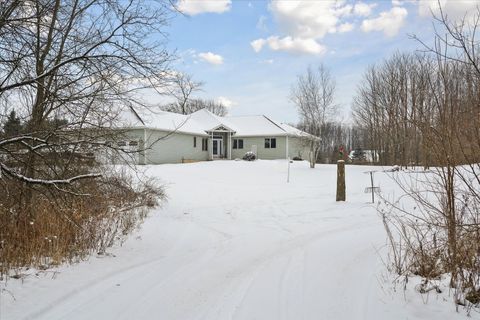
(340, 180)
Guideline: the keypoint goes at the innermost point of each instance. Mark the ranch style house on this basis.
(166, 137)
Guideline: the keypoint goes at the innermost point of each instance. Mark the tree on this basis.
(423, 109)
(314, 95)
(89, 58)
(70, 67)
(181, 88)
(193, 105)
(12, 126)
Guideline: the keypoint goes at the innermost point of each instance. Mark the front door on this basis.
(217, 147)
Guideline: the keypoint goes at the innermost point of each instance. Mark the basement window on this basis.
(270, 143)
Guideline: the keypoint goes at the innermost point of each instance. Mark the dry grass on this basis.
(58, 227)
(438, 238)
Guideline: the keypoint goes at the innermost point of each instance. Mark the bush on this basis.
(100, 213)
(297, 159)
(249, 156)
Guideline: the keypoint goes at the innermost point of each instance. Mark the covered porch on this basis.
(220, 143)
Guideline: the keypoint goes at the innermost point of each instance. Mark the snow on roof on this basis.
(211, 121)
(203, 121)
(162, 120)
(255, 126)
(293, 131)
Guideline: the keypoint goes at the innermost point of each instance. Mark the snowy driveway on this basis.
(235, 241)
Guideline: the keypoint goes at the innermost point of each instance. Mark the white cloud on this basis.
(225, 101)
(211, 58)
(363, 9)
(397, 2)
(289, 44)
(194, 7)
(345, 27)
(258, 44)
(389, 22)
(455, 10)
(309, 19)
(261, 23)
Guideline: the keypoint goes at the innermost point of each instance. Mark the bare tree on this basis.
(181, 88)
(314, 94)
(429, 104)
(193, 105)
(68, 68)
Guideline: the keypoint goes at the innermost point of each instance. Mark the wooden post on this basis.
(340, 180)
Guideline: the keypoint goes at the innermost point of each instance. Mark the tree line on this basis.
(423, 109)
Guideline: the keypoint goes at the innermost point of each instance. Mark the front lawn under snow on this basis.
(235, 241)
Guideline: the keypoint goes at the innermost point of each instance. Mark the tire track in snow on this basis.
(287, 249)
(141, 270)
(249, 271)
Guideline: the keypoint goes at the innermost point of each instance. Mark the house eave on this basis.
(163, 130)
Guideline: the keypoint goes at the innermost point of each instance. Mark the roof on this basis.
(203, 121)
(161, 120)
(211, 121)
(256, 126)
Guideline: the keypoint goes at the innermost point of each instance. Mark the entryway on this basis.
(217, 147)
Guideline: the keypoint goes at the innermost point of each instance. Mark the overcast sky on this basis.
(249, 53)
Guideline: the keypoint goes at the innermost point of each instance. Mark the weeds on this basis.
(59, 227)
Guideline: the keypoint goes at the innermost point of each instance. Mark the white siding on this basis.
(168, 147)
(295, 148)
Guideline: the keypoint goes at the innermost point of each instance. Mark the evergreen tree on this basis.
(13, 125)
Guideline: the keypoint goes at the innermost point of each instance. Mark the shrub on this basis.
(99, 214)
(249, 156)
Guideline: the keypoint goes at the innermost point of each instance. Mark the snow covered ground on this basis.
(235, 241)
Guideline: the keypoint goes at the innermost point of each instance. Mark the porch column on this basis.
(286, 157)
(211, 147)
(229, 145)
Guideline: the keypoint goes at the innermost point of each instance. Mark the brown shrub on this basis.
(59, 226)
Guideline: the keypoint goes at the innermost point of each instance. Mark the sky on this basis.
(249, 53)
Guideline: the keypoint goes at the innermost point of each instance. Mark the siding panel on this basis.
(165, 148)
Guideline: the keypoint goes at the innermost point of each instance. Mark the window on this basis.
(237, 143)
(133, 143)
(204, 144)
(194, 142)
(121, 143)
(270, 143)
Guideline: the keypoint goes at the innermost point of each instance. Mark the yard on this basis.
(235, 241)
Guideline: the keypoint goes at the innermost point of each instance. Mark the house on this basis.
(169, 137)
